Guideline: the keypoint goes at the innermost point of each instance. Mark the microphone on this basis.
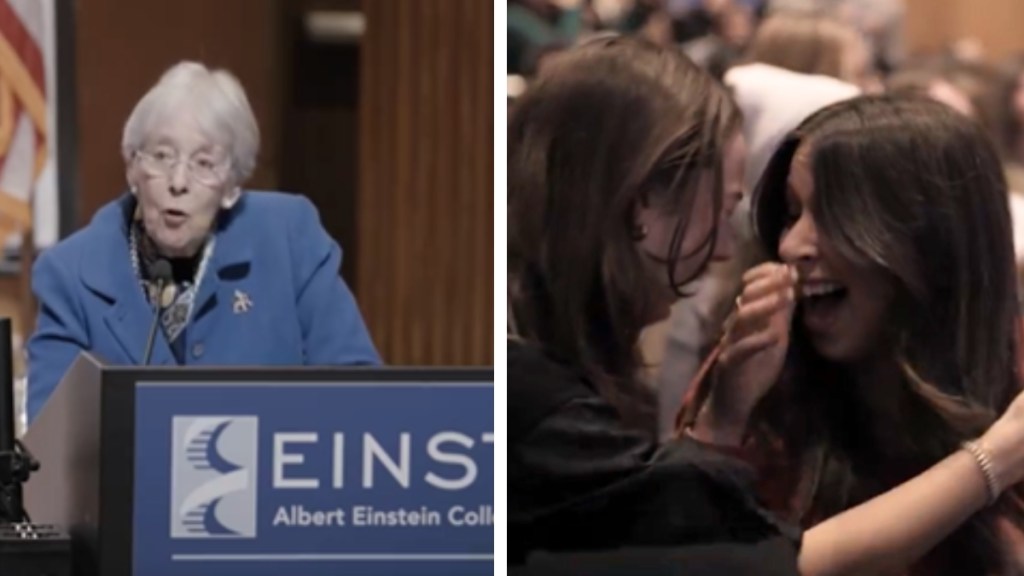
(162, 277)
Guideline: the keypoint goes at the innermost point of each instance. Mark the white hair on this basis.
(220, 106)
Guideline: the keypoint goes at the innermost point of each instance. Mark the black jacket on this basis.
(580, 483)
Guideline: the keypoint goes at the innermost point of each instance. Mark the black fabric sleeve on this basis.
(580, 481)
(773, 556)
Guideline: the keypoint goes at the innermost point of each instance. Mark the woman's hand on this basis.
(754, 349)
(889, 532)
(1004, 442)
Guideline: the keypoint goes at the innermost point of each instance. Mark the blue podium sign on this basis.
(272, 478)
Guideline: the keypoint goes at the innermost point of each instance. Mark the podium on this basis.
(160, 471)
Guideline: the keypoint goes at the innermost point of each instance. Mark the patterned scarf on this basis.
(176, 315)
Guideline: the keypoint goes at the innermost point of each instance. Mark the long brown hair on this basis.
(910, 188)
(614, 124)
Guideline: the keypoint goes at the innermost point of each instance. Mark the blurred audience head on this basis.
(1011, 105)
(979, 81)
(812, 44)
(932, 79)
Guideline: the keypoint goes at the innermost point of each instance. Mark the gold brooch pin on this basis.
(242, 302)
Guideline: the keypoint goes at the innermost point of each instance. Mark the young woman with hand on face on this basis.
(885, 338)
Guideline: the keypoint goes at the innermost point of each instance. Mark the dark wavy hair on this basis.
(908, 187)
(613, 125)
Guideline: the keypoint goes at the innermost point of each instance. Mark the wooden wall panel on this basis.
(932, 24)
(426, 203)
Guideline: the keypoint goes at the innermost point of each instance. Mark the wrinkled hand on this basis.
(754, 345)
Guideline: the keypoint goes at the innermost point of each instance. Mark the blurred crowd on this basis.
(714, 33)
(856, 305)
(781, 60)
(856, 41)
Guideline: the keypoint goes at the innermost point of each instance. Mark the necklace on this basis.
(175, 316)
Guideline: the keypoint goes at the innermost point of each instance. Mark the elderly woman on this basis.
(254, 275)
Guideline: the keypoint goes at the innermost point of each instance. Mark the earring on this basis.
(639, 232)
(228, 202)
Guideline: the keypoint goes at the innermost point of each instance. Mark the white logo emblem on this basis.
(213, 477)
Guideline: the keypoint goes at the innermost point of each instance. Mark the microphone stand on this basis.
(162, 276)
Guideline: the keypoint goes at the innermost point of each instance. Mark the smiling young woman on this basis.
(902, 345)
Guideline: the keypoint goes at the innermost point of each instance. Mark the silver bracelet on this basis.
(985, 464)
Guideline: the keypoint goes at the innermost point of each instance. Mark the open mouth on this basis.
(174, 217)
(820, 302)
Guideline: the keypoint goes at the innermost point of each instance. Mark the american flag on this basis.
(26, 162)
(27, 116)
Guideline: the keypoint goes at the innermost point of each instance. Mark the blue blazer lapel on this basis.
(111, 277)
(231, 260)
(129, 321)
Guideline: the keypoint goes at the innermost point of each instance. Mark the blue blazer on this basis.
(270, 247)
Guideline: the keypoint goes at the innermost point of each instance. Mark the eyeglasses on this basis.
(203, 168)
